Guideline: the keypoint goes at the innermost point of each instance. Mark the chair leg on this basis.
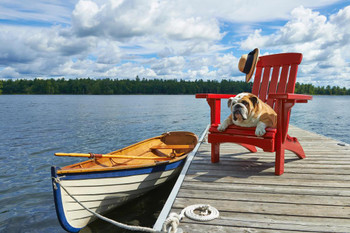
(293, 145)
(215, 152)
(251, 148)
(279, 162)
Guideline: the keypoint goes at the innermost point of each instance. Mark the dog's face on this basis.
(242, 106)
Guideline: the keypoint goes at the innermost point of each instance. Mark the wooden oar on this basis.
(91, 155)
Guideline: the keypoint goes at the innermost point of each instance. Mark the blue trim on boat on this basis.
(58, 204)
(102, 174)
(121, 173)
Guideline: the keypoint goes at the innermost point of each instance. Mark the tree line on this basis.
(144, 86)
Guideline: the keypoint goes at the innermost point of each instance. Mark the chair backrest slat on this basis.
(273, 83)
(283, 79)
(256, 84)
(292, 78)
(284, 68)
(265, 84)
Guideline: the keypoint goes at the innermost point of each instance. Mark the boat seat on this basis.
(174, 153)
(174, 147)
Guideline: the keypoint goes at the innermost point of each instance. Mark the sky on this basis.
(171, 39)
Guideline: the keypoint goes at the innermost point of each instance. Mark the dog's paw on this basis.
(221, 128)
(260, 130)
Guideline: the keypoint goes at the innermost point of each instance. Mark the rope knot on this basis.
(171, 223)
(92, 156)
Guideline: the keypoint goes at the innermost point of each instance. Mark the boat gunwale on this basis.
(120, 172)
(129, 167)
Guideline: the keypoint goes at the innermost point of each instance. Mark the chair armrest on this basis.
(213, 96)
(285, 102)
(294, 97)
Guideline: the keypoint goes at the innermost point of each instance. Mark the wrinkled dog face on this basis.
(241, 106)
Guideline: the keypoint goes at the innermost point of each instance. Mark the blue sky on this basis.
(171, 39)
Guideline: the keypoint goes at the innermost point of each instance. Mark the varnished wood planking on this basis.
(313, 195)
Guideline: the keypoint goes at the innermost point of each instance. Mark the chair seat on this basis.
(244, 131)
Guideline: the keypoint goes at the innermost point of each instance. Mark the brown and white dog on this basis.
(247, 110)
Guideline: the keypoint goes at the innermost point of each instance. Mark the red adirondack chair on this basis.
(274, 83)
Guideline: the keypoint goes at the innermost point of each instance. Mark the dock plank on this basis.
(313, 195)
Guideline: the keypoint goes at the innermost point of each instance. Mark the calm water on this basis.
(33, 128)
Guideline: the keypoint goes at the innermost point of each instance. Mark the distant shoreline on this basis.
(143, 87)
(124, 94)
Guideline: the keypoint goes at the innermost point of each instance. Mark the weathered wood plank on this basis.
(266, 188)
(310, 183)
(264, 197)
(269, 167)
(289, 164)
(254, 175)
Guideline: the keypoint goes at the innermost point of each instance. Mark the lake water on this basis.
(34, 127)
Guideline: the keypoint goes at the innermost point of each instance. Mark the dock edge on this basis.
(169, 203)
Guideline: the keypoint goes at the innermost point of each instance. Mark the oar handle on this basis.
(90, 155)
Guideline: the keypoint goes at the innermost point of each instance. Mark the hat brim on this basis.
(252, 69)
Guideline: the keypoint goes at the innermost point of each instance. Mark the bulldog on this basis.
(247, 110)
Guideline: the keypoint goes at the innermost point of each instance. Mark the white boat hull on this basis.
(103, 191)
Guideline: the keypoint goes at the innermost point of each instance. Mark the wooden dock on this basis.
(313, 195)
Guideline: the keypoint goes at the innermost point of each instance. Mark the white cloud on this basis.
(322, 42)
(227, 66)
(40, 51)
(127, 19)
(169, 66)
(108, 52)
(9, 72)
(304, 26)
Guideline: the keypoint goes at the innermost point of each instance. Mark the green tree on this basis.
(145, 86)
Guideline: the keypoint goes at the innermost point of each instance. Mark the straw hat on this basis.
(247, 63)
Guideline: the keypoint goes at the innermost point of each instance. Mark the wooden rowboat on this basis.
(107, 181)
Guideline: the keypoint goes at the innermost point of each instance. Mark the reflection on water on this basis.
(33, 128)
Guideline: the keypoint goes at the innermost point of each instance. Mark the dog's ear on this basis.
(254, 100)
(229, 102)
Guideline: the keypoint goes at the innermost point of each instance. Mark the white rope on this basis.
(206, 213)
(171, 223)
(118, 224)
